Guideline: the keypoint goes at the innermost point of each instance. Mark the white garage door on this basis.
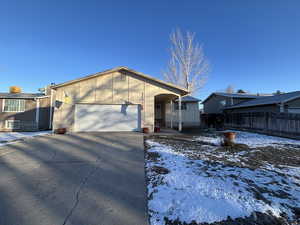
(90, 117)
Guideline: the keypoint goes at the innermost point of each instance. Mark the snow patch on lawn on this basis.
(194, 190)
(252, 140)
(6, 137)
(210, 140)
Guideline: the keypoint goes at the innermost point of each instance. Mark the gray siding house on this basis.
(280, 103)
(190, 112)
(24, 112)
(218, 101)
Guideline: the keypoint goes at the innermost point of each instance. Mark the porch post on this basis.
(179, 114)
(171, 110)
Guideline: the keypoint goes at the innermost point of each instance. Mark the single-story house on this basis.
(119, 99)
(279, 103)
(24, 112)
(216, 102)
(190, 112)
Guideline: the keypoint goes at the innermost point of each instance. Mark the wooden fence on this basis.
(281, 124)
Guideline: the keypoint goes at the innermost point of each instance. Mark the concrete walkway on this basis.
(76, 179)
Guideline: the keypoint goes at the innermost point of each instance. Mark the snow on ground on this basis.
(252, 139)
(6, 137)
(205, 191)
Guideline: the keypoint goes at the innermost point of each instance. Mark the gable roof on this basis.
(123, 68)
(22, 95)
(268, 100)
(234, 95)
(188, 98)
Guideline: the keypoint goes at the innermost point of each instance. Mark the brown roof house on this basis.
(24, 111)
(119, 99)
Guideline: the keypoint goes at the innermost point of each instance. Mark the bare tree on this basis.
(229, 89)
(188, 66)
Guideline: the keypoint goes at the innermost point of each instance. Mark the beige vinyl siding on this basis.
(109, 89)
(190, 116)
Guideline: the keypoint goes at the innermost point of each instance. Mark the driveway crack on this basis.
(77, 193)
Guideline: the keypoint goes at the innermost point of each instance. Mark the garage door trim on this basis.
(93, 117)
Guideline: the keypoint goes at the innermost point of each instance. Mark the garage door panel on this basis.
(107, 118)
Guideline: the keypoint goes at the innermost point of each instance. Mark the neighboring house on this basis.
(119, 99)
(288, 102)
(24, 112)
(218, 101)
(190, 112)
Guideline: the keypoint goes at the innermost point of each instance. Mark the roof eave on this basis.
(247, 106)
(183, 90)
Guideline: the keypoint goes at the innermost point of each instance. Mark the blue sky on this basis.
(253, 45)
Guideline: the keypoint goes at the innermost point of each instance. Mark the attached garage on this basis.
(120, 99)
(96, 117)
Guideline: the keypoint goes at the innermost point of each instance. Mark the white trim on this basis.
(7, 121)
(46, 96)
(179, 114)
(3, 105)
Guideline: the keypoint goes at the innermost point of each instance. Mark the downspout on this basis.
(37, 113)
(51, 109)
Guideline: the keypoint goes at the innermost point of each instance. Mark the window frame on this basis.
(19, 105)
(183, 106)
(13, 121)
(223, 102)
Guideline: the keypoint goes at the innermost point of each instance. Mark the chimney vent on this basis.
(15, 90)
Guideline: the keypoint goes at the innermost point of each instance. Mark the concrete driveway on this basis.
(78, 179)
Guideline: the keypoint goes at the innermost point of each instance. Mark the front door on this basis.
(158, 111)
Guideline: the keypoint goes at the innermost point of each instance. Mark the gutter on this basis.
(51, 109)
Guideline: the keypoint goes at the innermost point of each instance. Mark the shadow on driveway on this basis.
(78, 179)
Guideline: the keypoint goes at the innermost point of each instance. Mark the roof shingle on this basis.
(268, 100)
(21, 95)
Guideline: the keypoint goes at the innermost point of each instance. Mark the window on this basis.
(12, 124)
(223, 102)
(183, 106)
(13, 105)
